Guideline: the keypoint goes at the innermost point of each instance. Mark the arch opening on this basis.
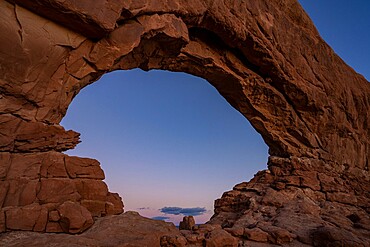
(165, 139)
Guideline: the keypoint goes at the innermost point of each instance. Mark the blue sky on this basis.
(170, 144)
(345, 26)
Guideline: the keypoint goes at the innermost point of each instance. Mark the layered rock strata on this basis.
(53, 192)
(265, 57)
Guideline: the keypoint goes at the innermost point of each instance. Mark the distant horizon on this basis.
(170, 145)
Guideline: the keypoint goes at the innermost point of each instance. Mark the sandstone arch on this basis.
(266, 58)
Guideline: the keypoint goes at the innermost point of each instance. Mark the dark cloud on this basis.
(160, 218)
(184, 211)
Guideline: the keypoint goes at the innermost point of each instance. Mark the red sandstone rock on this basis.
(96, 208)
(74, 218)
(178, 241)
(92, 189)
(41, 137)
(2, 221)
(114, 204)
(54, 216)
(332, 236)
(256, 234)
(20, 192)
(41, 221)
(28, 194)
(83, 168)
(24, 187)
(53, 227)
(25, 166)
(4, 186)
(265, 57)
(4, 164)
(57, 191)
(31, 217)
(95, 20)
(342, 198)
(187, 223)
(129, 229)
(220, 238)
(53, 166)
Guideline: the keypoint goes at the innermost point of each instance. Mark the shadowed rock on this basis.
(187, 223)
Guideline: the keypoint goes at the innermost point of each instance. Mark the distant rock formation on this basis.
(187, 223)
(264, 57)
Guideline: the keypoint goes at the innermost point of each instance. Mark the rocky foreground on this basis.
(252, 214)
(128, 230)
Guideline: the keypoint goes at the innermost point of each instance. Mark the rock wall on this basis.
(265, 57)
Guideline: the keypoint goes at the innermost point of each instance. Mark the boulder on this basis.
(74, 218)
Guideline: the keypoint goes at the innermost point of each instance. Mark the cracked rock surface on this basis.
(265, 58)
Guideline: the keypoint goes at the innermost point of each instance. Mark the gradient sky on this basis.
(170, 144)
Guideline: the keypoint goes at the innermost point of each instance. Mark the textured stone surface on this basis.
(265, 57)
(74, 218)
(37, 187)
(26, 218)
(128, 229)
(285, 215)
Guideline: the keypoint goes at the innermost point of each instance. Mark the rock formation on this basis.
(264, 57)
(187, 223)
(107, 231)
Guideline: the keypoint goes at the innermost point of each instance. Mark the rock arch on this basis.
(266, 58)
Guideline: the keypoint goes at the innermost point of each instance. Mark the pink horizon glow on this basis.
(152, 212)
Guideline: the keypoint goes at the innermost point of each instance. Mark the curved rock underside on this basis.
(264, 57)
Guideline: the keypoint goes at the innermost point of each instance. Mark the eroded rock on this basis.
(187, 223)
(74, 218)
(128, 229)
(265, 57)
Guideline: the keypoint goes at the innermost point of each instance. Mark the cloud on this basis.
(160, 218)
(184, 211)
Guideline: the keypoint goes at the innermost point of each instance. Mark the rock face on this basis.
(262, 211)
(53, 192)
(128, 229)
(265, 57)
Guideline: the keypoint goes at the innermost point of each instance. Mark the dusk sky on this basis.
(170, 145)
